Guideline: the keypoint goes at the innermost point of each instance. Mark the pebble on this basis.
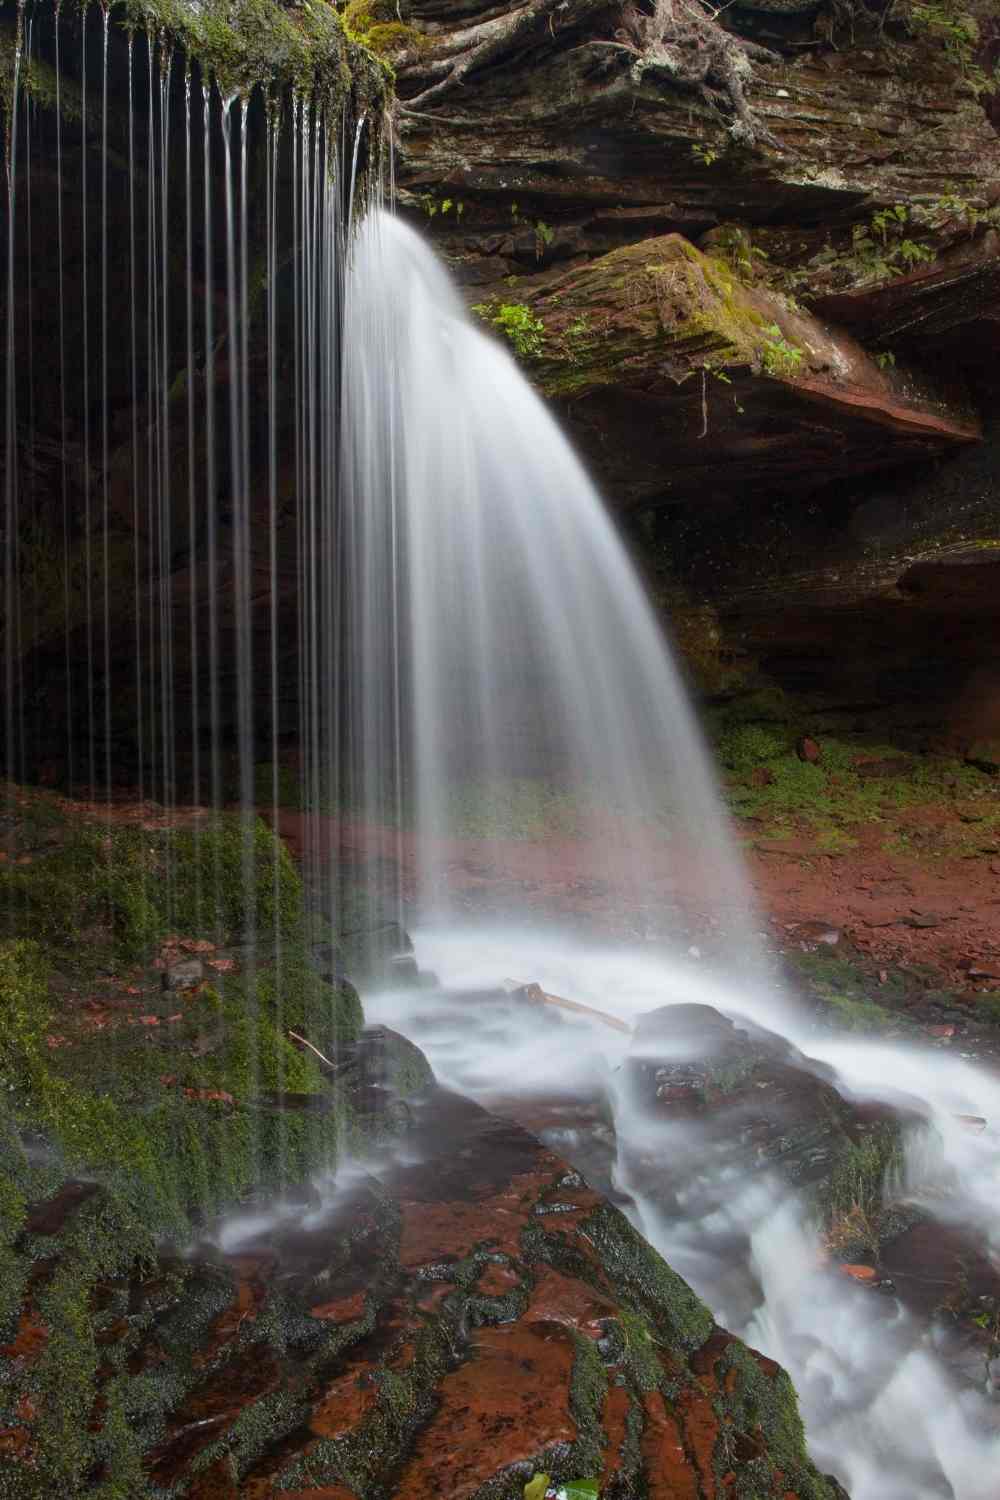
(860, 1273)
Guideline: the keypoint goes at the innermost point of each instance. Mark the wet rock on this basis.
(985, 756)
(818, 934)
(402, 968)
(750, 1102)
(286, 1103)
(50, 1216)
(186, 975)
(381, 953)
(808, 750)
(888, 769)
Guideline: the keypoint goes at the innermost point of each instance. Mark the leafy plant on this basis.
(544, 235)
(953, 27)
(779, 357)
(518, 323)
(883, 248)
(704, 154)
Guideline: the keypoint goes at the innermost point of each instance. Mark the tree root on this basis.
(678, 41)
(683, 42)
(476, 46)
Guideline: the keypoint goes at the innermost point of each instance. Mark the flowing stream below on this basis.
(519, 650)
(895, 1402)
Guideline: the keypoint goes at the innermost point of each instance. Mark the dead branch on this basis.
(535, 995)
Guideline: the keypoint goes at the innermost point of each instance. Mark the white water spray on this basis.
(507, 648)
(512, 680)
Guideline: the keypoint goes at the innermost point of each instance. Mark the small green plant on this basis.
(734, 245)
(886, 221)
(952, 27)
(886, 360)
(912, 253)
(518, 324)
(883, 248)
(544, 236)
(706, 155)
(779, 358)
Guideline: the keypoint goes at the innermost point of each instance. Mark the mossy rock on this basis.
(132, 1113)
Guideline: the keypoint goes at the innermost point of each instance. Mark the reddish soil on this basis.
(896, 909)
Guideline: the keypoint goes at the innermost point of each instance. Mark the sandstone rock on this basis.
(186, 975)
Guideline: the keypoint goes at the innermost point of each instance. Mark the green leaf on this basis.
(535, 1488)
(578, 1489)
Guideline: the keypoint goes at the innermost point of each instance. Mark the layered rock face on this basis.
(758, 272)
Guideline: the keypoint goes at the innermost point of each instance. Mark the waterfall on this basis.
(169, 624)
(511, 684)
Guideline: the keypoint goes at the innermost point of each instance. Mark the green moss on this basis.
(639, 1352)
(856, 1184)
(646, 1281)
(228, 879)
(660, 298)
(764, 1403)
(523, 330)
(588, 1391)
(164, 1104)
(834, 797)
(843, 987)
(249, 43)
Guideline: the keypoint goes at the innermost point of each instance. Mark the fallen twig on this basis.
(303, 1042)
(535, 995)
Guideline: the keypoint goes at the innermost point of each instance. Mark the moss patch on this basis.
(856, 782)
(130, 1111)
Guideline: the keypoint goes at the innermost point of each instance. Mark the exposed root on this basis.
(684, 43)
(476, 46)
(679, 41)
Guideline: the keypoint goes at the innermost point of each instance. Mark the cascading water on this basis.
(506, 658)
(511, 682)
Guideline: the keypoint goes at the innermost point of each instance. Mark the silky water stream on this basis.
(532, 736)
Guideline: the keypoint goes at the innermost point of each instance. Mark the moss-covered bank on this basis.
(149, 982)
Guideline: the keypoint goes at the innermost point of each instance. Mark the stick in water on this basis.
(537, 996)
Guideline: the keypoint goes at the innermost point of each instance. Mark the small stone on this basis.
(866, 1274)
(985, 756)
(813, 934)
(762, 776)
(808, 750)
(945, 1032)
(186, 975)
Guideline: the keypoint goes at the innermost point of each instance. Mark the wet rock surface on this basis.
(445, 1324)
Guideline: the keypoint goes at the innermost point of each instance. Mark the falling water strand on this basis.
(270, 318)
(192, 488)
(105, 447)
(63, 446)
(28, 629)
(88, 560)
(166, 466)
(151, 486)
(211, 476)
(235, 312)
(134, 378)
(10, 411)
